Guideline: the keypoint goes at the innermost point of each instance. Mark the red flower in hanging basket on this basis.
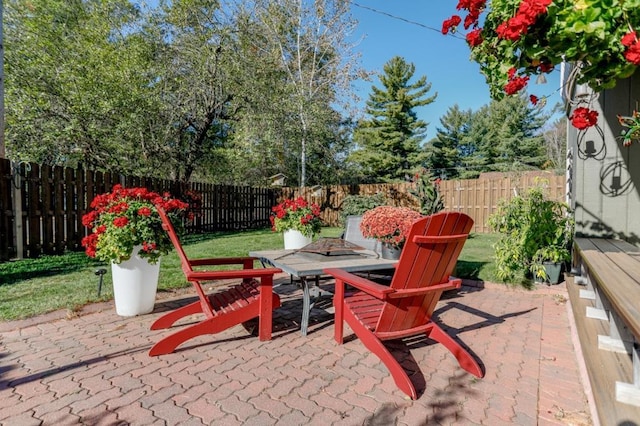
(583, 118)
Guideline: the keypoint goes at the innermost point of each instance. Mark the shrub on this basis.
(357, 205)
(534, 230)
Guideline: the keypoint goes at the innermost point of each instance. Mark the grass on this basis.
(32, 287)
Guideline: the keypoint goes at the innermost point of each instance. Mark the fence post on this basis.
(16, 178)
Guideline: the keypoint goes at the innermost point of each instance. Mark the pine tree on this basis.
(390, 142)
(445, 152)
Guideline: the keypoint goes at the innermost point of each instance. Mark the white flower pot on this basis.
(295, 239)
(135, 282)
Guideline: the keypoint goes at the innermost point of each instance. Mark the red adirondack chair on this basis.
(252, 298)
(377, 312)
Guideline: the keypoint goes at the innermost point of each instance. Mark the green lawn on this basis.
(35, 286)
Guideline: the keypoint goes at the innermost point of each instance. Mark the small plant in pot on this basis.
(126, 218)
(548, 262)
(298, 220)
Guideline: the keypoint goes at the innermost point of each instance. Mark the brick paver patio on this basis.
(94, 369)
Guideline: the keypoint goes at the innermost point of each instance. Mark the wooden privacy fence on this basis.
(41, 207)
(478, 198)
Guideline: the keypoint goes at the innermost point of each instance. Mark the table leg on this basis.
(306, 306)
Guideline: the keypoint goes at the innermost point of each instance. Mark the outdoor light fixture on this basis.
(100, 273)
(589, 149)
(594, 147)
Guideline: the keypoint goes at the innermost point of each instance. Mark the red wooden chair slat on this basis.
(404, 309)
(252, 297)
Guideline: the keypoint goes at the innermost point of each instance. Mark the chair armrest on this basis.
(221, 261)
(377, 290)
(449, 285)
(236, 273)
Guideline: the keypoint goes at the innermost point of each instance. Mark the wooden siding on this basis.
(604, 181)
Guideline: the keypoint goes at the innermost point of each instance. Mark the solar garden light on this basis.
(100, 272)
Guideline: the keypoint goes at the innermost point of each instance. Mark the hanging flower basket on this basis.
(513, 40)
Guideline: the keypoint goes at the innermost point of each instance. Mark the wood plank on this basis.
(603, 368)
(617, 276)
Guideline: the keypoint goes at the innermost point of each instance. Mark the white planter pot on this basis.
(135, 282)
(295, 239)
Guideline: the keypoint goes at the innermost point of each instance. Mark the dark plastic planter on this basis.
(553, 271)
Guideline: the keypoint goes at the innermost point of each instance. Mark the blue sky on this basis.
(443, 59)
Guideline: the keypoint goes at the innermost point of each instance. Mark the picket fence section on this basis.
(45, 204)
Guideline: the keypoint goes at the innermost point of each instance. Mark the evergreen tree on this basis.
(514, 140)
(502, 136)
(389, 143)
(446, 152)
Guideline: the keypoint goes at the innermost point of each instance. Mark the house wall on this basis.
(604, 175)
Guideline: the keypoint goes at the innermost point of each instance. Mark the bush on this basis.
(534, 230)
(357, 205)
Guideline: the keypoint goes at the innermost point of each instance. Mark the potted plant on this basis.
(298, 220)
(548, 261)
(126, 230)
(534, 231)
(389, 225)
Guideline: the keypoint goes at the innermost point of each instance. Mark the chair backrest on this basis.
(353, 234)
(428, 258)
(168, 226)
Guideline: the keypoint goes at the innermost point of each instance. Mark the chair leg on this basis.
(168, 319)
(466, 361)
(207, 326)
(376, 346)
(338, 316)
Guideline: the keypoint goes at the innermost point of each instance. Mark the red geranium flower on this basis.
(516, 84)
(144, 211)
(125, 218)
(629, 39)
(451, 23)
(474, 38)
(583, 118)
(632, 54)
(120, 222)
